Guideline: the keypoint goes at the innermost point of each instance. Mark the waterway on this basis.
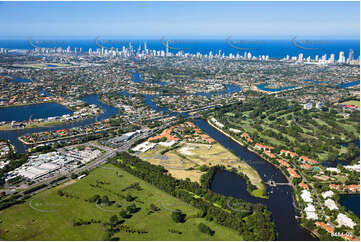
(13, 135)
(19, 79)
(351, 202)
(264, 87)
(317, 82)
(349, 84)
(280, 201)
(34, 111)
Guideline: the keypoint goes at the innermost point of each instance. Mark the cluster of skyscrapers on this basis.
(103, 51)
(323, 60)
(3, 51)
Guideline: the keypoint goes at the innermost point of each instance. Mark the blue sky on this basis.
(26, 19)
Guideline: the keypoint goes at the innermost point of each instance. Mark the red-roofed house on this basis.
(335, 186)
(349, 237)
(308, 160)
(246, 137)
(326, 227)
(353, 188)
(283, 163)
(306, 166)
(293, 173)
(288, 153)
(303, 185)
(263, 147)
(269, 154)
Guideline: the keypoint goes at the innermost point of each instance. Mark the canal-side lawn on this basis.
(186, 161)
(52, 215)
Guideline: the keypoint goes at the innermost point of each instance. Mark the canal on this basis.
(280, 201)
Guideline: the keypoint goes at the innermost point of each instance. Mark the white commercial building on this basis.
(306, 196)
(327, 194)
(331, 204)
(333, 169)
(311, 212)
(237, 131)
(145, 146)
(45, 164)
(353, 168)
(217, 123)
(342, 219)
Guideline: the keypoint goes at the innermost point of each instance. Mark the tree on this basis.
(60, 193)
(113, 220)
(123, 213)
(203, 168)
(94, 198)
(178, 216)
(105, 200)
(129, 198)
(154, 208)
(133, 208)
(205, 229)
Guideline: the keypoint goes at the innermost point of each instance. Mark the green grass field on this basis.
(48, 216)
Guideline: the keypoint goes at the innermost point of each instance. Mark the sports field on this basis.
(49, 216)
